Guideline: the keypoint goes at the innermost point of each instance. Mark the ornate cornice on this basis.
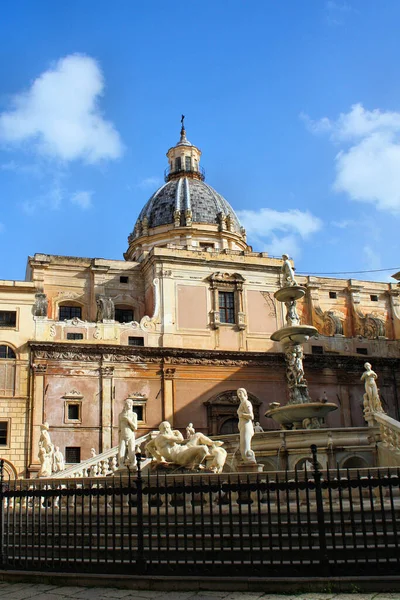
(100, 354)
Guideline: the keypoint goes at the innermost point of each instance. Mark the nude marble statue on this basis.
(246, 429)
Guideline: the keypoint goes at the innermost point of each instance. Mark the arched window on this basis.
(354, 462)
(7, 371)
(69, 311)
(123, 313)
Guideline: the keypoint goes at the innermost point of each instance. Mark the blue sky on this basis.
(294, 103)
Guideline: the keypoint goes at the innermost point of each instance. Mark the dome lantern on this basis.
(184, 159)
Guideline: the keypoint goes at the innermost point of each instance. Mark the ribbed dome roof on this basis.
(184, 194)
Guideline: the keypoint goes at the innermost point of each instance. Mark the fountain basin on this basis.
(294, 333)
(291, 292)
(298, 416)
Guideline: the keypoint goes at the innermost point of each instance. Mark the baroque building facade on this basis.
(178, 325)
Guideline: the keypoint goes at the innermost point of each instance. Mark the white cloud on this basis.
(83, 199)
(279, 232)
(59, 114)
(372, 257)
(344, 223)
(150, 183)
(368, 162)
(50, 199)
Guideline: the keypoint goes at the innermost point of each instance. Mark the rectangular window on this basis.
(188, 163)
(135, 341)
(72, 454)
(74, 412)
(139, 412)
(3, 433)
(362, 351)
(74, 336)
(178, 163)
(69, 312)
(374, 298)
(226, 307)
(124, 315)
(332, 295)
(124, 279)
(8, 318)
(317, 349)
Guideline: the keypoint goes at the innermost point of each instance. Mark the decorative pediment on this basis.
(230, 398)
(137, 396)
(73, 395)
(222, 279)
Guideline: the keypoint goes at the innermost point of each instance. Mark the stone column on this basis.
(39, 374)
(106, 394)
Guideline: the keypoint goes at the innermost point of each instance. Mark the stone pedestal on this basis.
(249, 467)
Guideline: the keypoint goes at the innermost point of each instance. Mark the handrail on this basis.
(389, 429)
(98, 466)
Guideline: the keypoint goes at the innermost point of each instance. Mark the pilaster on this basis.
(106, 395)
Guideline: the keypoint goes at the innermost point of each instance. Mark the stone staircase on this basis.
(102, 465)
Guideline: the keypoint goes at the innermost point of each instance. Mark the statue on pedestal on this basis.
(287, 272)
(127, 425)
(372, 402)
(246, 429)
(258, 428)
(40, 306)
(46, 452)
(105, 309)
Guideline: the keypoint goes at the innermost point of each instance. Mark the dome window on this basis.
(188, 163)
(178, 163)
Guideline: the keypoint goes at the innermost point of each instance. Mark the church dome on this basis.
(183, 194)
(186, 211)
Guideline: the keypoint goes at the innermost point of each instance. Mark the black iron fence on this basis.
(295, 523)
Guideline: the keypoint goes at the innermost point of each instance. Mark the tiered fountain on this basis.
(300, 412)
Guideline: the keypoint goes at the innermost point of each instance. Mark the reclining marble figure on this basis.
(169, 446)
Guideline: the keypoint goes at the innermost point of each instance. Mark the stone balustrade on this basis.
(389, 430)
(101, 465)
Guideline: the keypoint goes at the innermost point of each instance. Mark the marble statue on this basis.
(46, 462)
(170, 447)
(372, 402)
(46, 451)
(292, 317)
(58, 460)
(294, 364)
(287, 272)
(219, 455)
(258, 428)
(246, 429)
(127, 425)
(93, 452)
(40, 306)
(190, 431)
(105, 309)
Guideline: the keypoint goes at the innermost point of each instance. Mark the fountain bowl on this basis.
(294, 333)
(293, 415)
(290, 292)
